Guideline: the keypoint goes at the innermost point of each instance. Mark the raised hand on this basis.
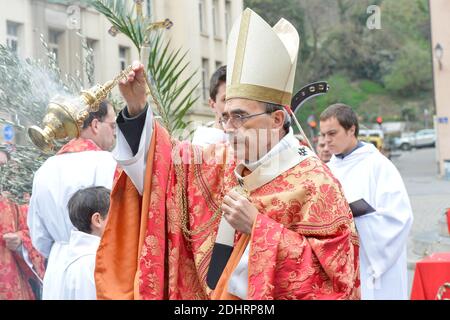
(134, 89)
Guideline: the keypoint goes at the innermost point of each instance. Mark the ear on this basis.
(352, 130)
(95, 124)
(278, 119)
(96, 220)
(212, 103)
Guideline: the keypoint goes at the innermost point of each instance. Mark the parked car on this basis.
(376, 137)
(420, 139)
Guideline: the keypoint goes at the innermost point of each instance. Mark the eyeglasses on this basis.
(237, 120)
(112, 124)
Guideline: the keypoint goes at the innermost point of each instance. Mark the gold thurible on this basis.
(65, 116)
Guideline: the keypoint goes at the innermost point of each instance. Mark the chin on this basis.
(333, 151)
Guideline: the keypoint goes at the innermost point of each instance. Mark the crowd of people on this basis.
(245, 211)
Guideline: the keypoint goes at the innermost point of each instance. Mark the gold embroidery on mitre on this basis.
(240, 49)
(260, 93)
(279, 48)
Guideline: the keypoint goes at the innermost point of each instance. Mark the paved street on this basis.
(429, 194)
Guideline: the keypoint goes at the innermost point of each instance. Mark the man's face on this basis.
(253, 136)
(322, 150)
(219, 105)
(337, 139)
(106, 130)
(3, 158)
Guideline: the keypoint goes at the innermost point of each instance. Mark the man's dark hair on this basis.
(100, 114)
(84, 203)
(219, 76)
(272, 107)
(344, 115)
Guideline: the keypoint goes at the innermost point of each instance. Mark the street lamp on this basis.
(438, 53)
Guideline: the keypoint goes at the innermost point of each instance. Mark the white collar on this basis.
(283, 156)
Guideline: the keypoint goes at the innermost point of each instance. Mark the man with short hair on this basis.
(85, 161)
(88, 212)
(217, 87)
(381, 207)
(213, 132)
(270, 203)
(323, 152)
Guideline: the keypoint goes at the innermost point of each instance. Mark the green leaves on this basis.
(27, 86)
(16, 176)
(376, 71)
(120, 13)
(166, 68)
(410, 72)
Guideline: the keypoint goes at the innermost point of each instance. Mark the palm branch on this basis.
(120, 13)
(165, 67)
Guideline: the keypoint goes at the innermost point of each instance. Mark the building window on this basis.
(54, 37)
(202, 16)
(93, 45)
(149, 8)
(124, 53)
(215, 17)
(205, 78)
(12, 36)
(227, 17)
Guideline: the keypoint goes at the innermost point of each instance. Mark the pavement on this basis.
(429, 195)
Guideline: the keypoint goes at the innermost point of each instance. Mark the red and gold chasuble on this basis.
(158, 246)
(14, 272)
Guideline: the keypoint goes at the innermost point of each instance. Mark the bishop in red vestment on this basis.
(292, 232)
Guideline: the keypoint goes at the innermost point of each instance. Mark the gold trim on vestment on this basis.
(274, 167)
(259, 93)
(240, 49)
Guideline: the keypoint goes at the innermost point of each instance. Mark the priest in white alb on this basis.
(379, 201)
(82, 162)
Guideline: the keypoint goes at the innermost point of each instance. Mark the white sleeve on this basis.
(26, 257)
(40, 237)
(238, 283)
(386, 230)
(79, 280)
(134, 166)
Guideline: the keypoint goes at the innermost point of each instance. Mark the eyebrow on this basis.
(328, 132)
(235, 111)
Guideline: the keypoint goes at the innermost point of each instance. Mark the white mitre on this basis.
(261, 60)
